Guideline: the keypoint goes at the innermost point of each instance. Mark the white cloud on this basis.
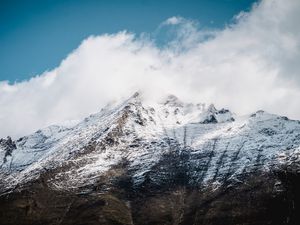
(174, 20)
(250, 65)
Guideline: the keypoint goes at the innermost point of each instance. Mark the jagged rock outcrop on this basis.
(7, 146)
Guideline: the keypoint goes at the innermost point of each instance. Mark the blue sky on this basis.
(36, 35)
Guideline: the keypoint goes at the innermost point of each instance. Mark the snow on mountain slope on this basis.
(214, 145)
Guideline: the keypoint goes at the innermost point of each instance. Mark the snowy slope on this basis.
(214, 145)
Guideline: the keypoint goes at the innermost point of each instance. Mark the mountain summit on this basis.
(167, 163)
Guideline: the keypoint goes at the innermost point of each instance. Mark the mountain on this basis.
(169, 162)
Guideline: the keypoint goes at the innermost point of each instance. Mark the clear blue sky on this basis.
(35, 35)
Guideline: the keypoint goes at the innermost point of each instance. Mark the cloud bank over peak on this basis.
(251, 64)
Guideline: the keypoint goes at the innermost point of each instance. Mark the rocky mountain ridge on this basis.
(128, 153)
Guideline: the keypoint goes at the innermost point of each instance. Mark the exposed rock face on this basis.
(7, 146)
(167, 163)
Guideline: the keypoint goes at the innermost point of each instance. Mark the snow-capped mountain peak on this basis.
(218, 143)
